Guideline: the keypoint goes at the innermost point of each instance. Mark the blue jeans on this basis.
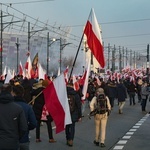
(70, 131)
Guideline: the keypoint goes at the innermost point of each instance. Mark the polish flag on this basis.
(9, 76)
(75, 83)
(41, 72)
(66, 74)
(82, 79)
(94, 40)
(20, 69)
(28, 67)
(85, 86)
(55, 95)
(4, 74)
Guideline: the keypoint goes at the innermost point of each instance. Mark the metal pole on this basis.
(17, 44)
(119, 59)
(147, 71)
(48, 53)
(108, 54)
(126, 56)
(1, 54)
(60, 54)
(29, 36)
(123, 57)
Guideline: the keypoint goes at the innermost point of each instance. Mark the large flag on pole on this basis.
(28, 67)
(85, 86)
(56, 101)
(94, 40)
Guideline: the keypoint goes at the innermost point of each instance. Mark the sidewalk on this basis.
(138, 137)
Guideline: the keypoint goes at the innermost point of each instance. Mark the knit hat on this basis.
(45, 83)
(100, 90)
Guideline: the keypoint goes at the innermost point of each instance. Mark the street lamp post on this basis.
(62, 46)
(17, 44)
(31, 33)
(49, 43)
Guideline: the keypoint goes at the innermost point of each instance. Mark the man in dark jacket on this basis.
(18, 92)
(75, 115)
(13, 124)
(121, 95)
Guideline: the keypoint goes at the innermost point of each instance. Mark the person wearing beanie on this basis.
(41, 112)
(101, 105)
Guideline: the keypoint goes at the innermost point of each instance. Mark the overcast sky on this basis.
(125, 23)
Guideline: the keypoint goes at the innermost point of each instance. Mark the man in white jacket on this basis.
(100, 117)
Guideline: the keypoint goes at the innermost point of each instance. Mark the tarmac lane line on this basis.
(121, 143)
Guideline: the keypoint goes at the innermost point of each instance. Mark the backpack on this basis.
(71, 101)
(101, 104)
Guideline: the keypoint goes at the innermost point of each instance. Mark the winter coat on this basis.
(30, 117)
(121, 92)
(13, 124)
(110, 90)
(38, 103)
(77, 112)
(144, 92)
(93, 105)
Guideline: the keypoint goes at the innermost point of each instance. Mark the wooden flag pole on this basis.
(35, 98)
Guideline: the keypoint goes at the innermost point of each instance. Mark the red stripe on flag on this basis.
(94, 44)
(54, 107)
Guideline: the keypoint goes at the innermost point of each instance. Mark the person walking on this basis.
(101, 115)
(18, 92)
(121, 95)
(76, 114)
(40, 110)
(13, 124)
(111, 92)
(131, 88)
(144, 95)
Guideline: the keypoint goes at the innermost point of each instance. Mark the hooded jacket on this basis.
(30, 117)
(13, 123)
(77, 113)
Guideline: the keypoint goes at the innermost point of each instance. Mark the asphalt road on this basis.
(127, 131)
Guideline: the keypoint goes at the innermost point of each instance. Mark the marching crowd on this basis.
(22, 108)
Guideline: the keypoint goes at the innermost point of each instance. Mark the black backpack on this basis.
(71, 101)
(101, 104)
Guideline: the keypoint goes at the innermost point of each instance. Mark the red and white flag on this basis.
(41, 72)
(66, 74)
(9, 76)
(20, 69)
(28, 67)
(4, 74)
(75, 83)
(85, 86)
(56, 101)
(94, 40)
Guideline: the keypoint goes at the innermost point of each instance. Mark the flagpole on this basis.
(76, 56)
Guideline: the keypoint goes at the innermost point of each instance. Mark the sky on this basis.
(124, 23)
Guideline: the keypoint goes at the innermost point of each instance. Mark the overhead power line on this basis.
(26, 2)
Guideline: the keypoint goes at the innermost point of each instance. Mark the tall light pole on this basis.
(17, 44)
(147, 71)
(31, 33)
(1, 36)
(49, 43)
(62, 46)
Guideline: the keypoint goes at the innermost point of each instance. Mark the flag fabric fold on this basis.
(56, 101)
(94, 40)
